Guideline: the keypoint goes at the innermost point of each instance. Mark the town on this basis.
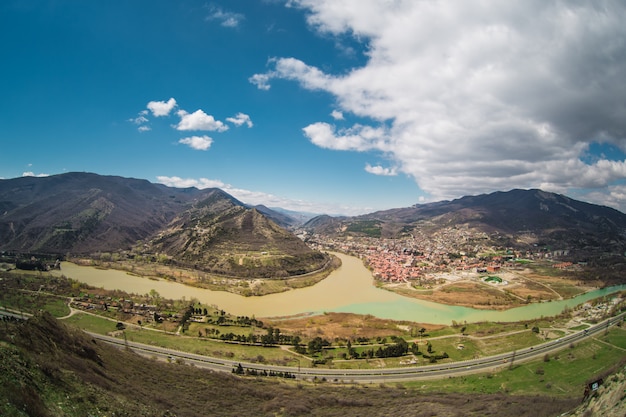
(427, 259)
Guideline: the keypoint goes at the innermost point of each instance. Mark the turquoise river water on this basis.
(348, 289)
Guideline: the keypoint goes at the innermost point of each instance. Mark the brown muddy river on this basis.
(348, 289)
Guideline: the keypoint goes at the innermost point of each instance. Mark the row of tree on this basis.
(240, 370)
(400, 347)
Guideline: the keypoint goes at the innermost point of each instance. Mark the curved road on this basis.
(374, 375)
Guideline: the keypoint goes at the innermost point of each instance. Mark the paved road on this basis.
(409, 373)
(376, 375)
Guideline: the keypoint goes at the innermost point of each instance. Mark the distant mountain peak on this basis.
(553, 218)
(84, 213)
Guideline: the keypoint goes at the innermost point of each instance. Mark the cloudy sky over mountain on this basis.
(337, 106)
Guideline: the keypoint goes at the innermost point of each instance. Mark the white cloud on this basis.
(139, 119)
(32, 174)
(240, 119)
(144, 128)
(475, 96)
(293, 69)
(226, 19)
(262, 81)
(379, 170)
(179, 182)
(201, 143)
(258, 197)
(337, 115)
(161, 108)
(356, 138)
(199, 120)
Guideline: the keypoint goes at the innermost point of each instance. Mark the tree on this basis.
(351, 351)
(155, 296)
(316, 345)
(120, 326)
(238, 370)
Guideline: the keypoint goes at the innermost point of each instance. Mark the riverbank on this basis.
(348, 289)
(505, 289)
(246, 287)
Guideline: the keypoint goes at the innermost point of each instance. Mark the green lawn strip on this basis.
(214, 348)
(31, 302)
(91, 323)
(202, 346)
(563, 374)
(200, 328)
(566, 290)
(507, 343)
(451, 346)
(56, 306)
(484, 328)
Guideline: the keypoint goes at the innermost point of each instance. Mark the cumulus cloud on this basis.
(379, 170)
(356, 138)
(475, 96)
(199, 120)
(262, 81)
(200, 143)
(337, 115)
(161, 108)
(240, 119)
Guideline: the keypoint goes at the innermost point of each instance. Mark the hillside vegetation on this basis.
(49, 369)
(86, 215)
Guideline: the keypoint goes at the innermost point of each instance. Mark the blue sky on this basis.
(321, 106)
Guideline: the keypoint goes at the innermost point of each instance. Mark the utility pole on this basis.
(512, 360)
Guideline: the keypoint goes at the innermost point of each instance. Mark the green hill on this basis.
(49, 369)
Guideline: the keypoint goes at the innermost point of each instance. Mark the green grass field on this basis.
(564, 373)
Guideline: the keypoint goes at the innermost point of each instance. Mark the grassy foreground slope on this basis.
(49, 369)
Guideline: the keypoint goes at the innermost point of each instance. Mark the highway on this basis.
(408, 373)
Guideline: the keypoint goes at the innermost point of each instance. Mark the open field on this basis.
(505, 289)
(562, 374)
(557, 378)
(75, 377)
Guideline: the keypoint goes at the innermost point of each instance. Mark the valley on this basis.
(433, 285)
(488, 277)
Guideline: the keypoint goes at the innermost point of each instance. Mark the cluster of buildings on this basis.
(88, 302)
(424, 258)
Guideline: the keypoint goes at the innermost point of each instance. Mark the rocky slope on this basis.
(48, 369)
(515, 218)
(85, 214)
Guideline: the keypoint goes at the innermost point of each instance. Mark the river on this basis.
(348, 289)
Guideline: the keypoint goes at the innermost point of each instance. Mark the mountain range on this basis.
(516, 218)
(85, 213)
